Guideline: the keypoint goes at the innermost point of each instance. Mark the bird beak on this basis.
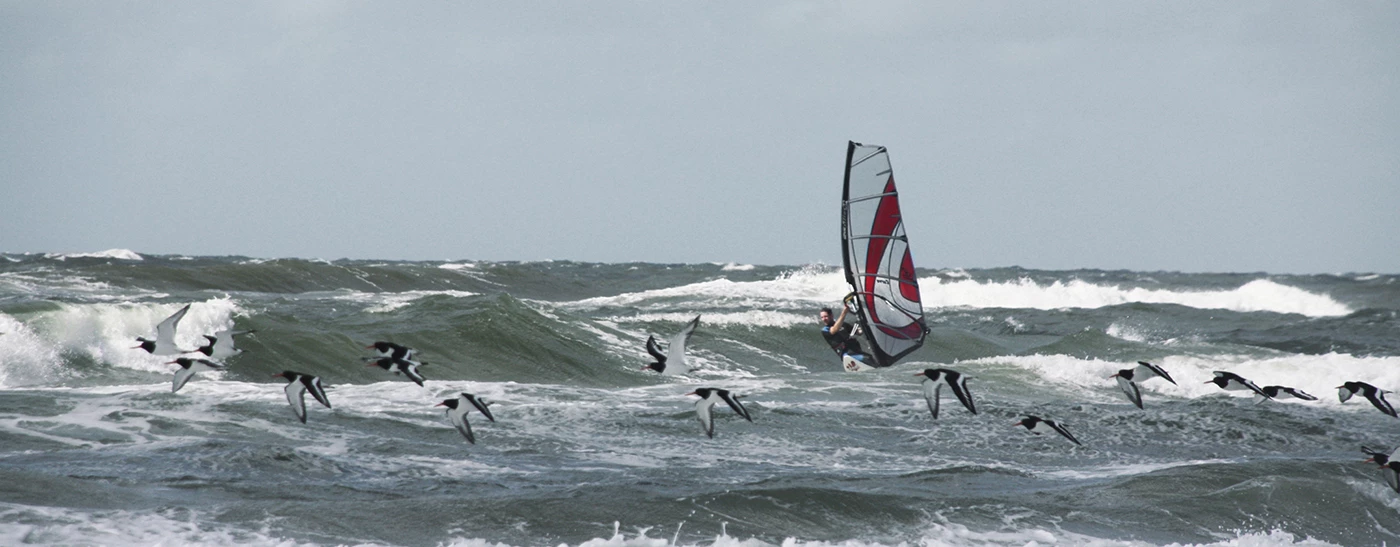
(440, 404)
(691, 393)
(278, 375)
(1370, 460)
(1209, 382)
(372, 364)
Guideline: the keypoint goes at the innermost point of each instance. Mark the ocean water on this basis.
(588, 449)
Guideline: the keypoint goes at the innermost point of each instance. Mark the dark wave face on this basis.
(589, 447)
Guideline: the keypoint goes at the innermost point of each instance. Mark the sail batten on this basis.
(875, 251)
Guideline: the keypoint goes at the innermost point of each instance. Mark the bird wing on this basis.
(410, 369)
(1062, 431)
(705, 412)
(1131, 390)
(1154, 369)
(1343, 394)
(1377, 398)
(400, 352)
(655, 350)
(481, 405)
(958, 383)
(313, 384)
(733, 402)
(296, 395)
(931, 388)
(459, 420)
(675, 353)
(1392, 477)
(1299, 394)
(165, 331)
(181, 376)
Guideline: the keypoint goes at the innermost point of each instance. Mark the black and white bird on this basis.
(392, 350)
(1372, 393)
(164, 344)
(297, 386)
(1038, 425)
(190, 366)
(936, 378)
(1129, 378)
(1381, 458)
(1230, 381)
(672, 361)
(1274, 392)
(220, 345)
(457, 413)
(705, 407)
(1390, 466)
(399, 366)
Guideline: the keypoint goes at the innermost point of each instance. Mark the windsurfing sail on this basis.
(875, 250)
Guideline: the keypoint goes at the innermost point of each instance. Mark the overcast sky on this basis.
(1193, 136)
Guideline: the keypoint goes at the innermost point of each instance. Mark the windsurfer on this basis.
(841, 335)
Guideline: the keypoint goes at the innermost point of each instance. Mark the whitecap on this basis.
(120, 254)
(1255, 296)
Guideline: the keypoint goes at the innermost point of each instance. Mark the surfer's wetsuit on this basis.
(842, 342)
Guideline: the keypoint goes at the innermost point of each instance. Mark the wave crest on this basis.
(1260, 295)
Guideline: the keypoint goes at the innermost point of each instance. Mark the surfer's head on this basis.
(825, 316)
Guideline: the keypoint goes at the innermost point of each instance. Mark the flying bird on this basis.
(457, 413)
(190, 366)
(399, 366)
(705, 407)
(1390, 466)
(672, 361)
(936, 378)
(1230, 381)
(164, 344)
(1129, 378)
(1273, 392)
(390, 349)
(1038, 425)
(220, 345)
(297, 386)
(1372, 393)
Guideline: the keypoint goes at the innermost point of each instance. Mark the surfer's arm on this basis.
(840, 320)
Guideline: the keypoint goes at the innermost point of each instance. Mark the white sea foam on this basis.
(175, 526)
(1318, 375)
(1128, 333)
(104, 332)
(755, 318)
(121, 254)
(934, 535)
(454, 266)
(26, 524)
(382, 302)
(1254, 296)
(811, 284)
(815, 285)
(733, 267)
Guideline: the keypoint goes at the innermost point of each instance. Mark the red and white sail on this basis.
(878, 264)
